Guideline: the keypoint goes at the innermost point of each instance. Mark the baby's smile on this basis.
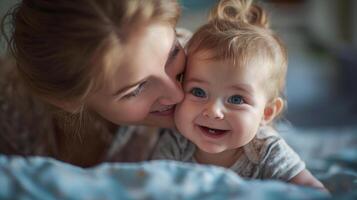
(212, 132)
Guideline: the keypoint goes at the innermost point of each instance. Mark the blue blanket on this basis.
(331, 156)
(44, 178)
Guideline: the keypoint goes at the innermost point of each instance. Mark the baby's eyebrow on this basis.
(197, 80)
(243, 87)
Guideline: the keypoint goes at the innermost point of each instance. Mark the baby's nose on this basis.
(214, 111)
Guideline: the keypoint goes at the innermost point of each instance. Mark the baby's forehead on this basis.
(252, 63)
(244, 58)
(254, 71)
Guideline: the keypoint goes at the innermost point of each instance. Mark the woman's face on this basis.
(143, 87)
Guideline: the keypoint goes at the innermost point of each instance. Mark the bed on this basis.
(330, 153)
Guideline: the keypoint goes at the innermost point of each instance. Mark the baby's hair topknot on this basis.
(240, 11)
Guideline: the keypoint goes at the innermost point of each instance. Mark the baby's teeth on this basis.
(211, 131)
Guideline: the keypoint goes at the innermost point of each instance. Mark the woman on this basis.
(91, 68)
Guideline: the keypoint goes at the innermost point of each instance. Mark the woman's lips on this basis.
(164, 112)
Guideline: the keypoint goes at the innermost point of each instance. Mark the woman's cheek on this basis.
(177, 115)
(181, 115)
(133, 113)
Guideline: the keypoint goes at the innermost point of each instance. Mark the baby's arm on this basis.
(307, 179)
(284, 163)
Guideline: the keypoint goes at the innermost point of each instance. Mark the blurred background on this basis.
(321, 37)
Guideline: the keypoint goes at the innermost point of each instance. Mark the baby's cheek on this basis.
(246, 125)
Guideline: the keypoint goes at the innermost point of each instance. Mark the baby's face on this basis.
(223, 105)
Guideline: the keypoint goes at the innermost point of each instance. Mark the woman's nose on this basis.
(172, 94)
(214, 111)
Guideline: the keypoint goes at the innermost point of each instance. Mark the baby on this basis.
(233, 87)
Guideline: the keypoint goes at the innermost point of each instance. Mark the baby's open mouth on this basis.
(213, 131)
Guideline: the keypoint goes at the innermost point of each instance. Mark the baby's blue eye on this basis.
(235, 99)
(198, 92)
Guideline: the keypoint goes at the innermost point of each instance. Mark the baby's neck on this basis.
(223, 159)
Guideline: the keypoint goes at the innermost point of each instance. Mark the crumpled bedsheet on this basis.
(41, 178)
(45, 178)
(330, 153)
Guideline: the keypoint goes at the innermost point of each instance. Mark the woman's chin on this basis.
(164, 121)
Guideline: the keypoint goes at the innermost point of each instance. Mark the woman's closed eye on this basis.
(136, 91)
(235, 99)
(198, 92)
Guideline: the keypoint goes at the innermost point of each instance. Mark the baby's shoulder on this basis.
(171, 138)
(262, 145)
(172, 135)
(174, 146)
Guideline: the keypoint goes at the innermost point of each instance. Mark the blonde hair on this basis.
(239, 31)
(59, 46)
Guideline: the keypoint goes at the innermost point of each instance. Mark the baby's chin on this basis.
(212, 149)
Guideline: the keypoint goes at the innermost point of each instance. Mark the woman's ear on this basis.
(272, 109)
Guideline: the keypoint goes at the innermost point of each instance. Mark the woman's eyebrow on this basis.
(170, 55)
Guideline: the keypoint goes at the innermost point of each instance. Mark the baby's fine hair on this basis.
(238, 30)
